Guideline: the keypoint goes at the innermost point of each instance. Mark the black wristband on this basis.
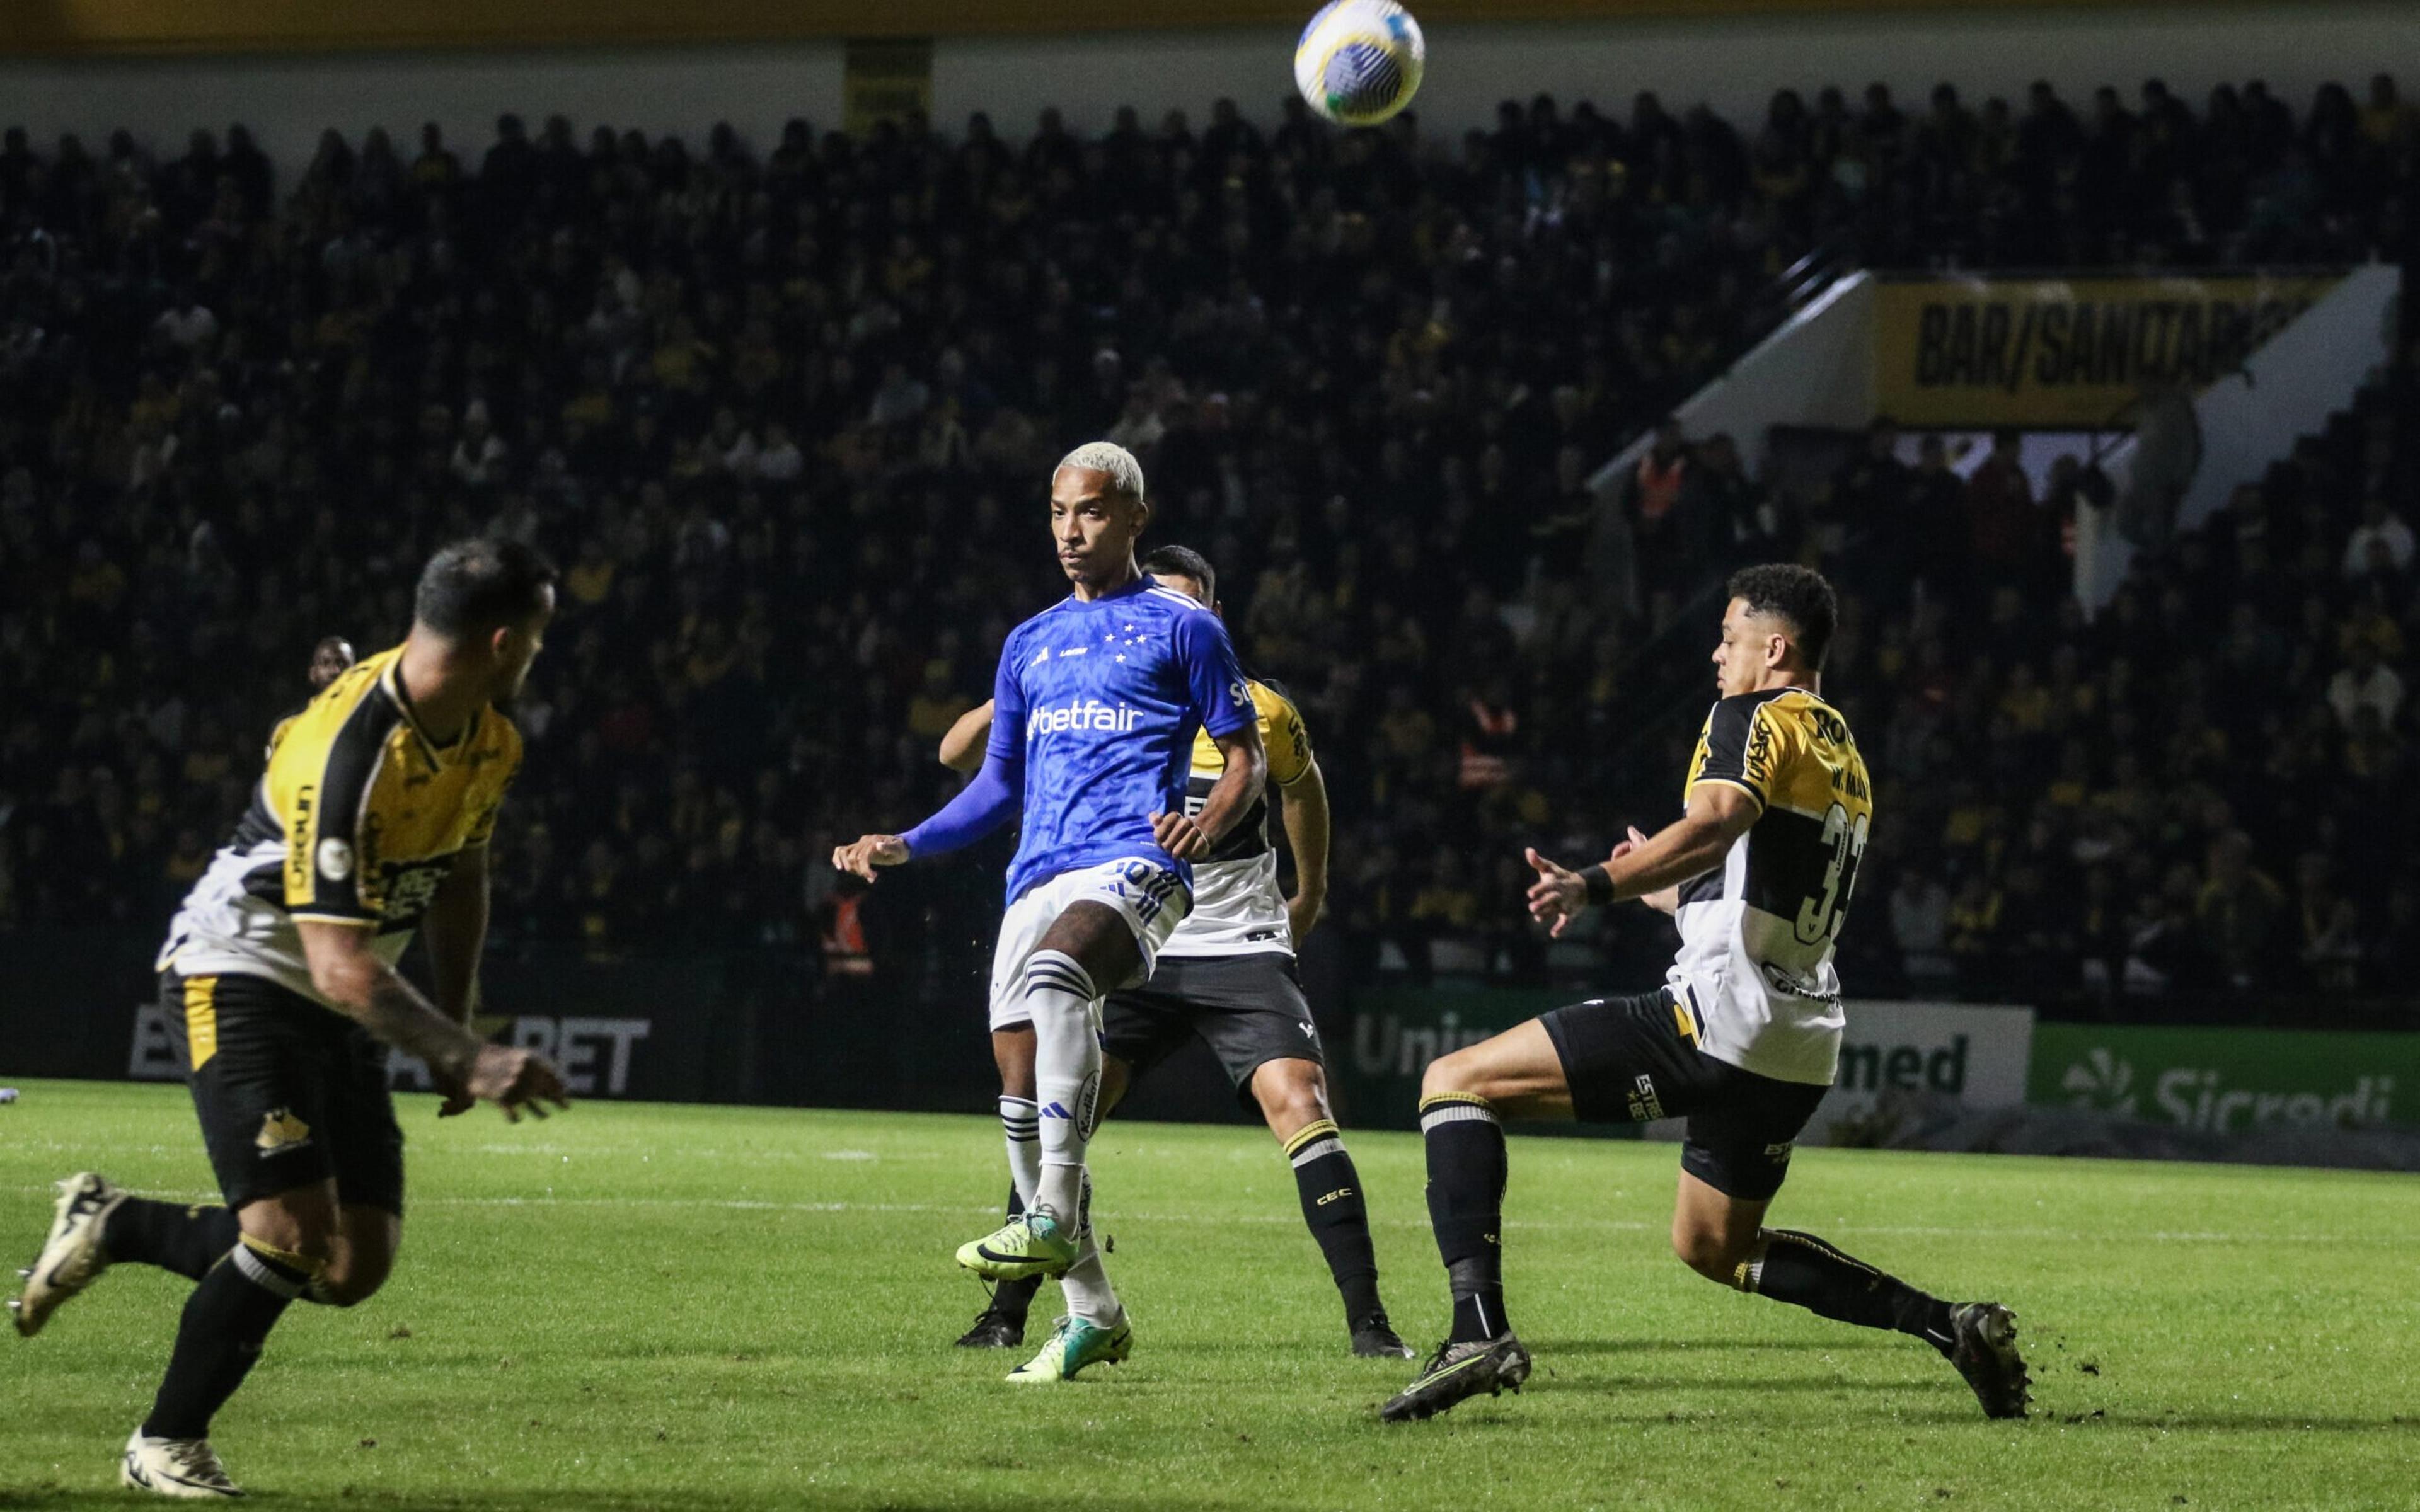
(1600, 885)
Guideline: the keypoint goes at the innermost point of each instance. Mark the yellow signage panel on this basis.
(2067, 352)
(886, 80)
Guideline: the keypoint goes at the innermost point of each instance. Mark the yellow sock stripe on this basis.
(1440, 1100)
(1820, 1247)
(1316, 1128)
(1750, 1270)
(286, 1258)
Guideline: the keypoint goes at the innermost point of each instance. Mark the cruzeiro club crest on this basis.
(2101, 1081)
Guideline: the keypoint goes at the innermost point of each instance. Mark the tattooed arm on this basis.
(349, 975)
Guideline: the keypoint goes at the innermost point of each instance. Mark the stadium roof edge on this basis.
(169, 27)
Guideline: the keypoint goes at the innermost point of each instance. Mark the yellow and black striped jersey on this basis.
(1237, 909)
(357, 820)
(1756, 933)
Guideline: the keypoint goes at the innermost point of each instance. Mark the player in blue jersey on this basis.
(1096, 703)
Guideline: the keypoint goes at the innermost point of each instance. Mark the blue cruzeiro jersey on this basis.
(1105, 698)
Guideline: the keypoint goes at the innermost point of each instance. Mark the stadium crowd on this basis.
(783, 415)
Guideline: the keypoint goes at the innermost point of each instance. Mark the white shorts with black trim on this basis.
(1151, 899)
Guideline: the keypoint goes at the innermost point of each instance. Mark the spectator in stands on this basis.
(2382, 545)
(2364, 684)
(2240, 910)
(1657, 502)
(1919, 924)
(2004, 528)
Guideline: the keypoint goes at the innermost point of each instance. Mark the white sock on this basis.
(1066, 1074)
(1017, 1121)
(1086, 1285)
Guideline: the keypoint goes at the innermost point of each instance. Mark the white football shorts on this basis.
(1151, 899)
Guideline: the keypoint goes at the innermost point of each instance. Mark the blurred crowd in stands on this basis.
(784, 412)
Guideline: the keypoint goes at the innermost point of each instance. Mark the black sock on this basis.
(226, 1321)
(1801, 1268)
(1014, 1298)
(1466, 1175)
(170, 1235)
(1339, 1217)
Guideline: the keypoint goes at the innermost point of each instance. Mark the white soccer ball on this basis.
(1359, 61)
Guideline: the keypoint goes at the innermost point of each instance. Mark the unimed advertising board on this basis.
(1979, 1055)
(2066, 353)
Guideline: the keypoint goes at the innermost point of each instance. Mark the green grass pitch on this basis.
(637, 1306)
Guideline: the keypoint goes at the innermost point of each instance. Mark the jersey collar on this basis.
(390, 684)
(1141, 585)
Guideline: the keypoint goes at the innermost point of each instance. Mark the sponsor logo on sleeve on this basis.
(1759, 762)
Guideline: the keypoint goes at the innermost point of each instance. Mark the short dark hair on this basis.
(1184, 561)
(474, 586)
(1798, 595)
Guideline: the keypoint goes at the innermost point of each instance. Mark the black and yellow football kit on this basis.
(357, 822)
(1756, 933)
(1228, 975)
(1237, 907)
(1742, 1041)
(1743, 1038)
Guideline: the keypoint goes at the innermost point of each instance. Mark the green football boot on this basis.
(1074, 1344)
(1035, 1244)
(1459, 1371)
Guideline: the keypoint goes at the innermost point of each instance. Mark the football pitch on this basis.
(635, 1306)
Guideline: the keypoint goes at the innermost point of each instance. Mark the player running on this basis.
(1743, 1039)
(1227, 975)
(279, 981)
(1099, 699)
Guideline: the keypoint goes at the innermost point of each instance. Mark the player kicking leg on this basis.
(1228, 975)
(281, 994)
(1096, 700)
(1743, 1040)
(1140, 1028)
(1591, 1060)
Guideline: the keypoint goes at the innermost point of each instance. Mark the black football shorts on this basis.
(1247, 1009)
(289, 1093)
(1631, 1059)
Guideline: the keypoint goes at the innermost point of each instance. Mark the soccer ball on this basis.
(1359, 61)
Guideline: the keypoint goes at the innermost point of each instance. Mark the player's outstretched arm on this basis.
(862, 856)
(981, 807)
(1663, 899)
(348, 974)
(962, 749)
(1718, 814)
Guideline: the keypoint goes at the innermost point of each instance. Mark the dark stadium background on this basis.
(781, 399)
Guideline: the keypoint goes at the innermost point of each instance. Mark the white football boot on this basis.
(187, 1468)
(71, 1257)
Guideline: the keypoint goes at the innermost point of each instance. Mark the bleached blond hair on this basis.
(1125, 473)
